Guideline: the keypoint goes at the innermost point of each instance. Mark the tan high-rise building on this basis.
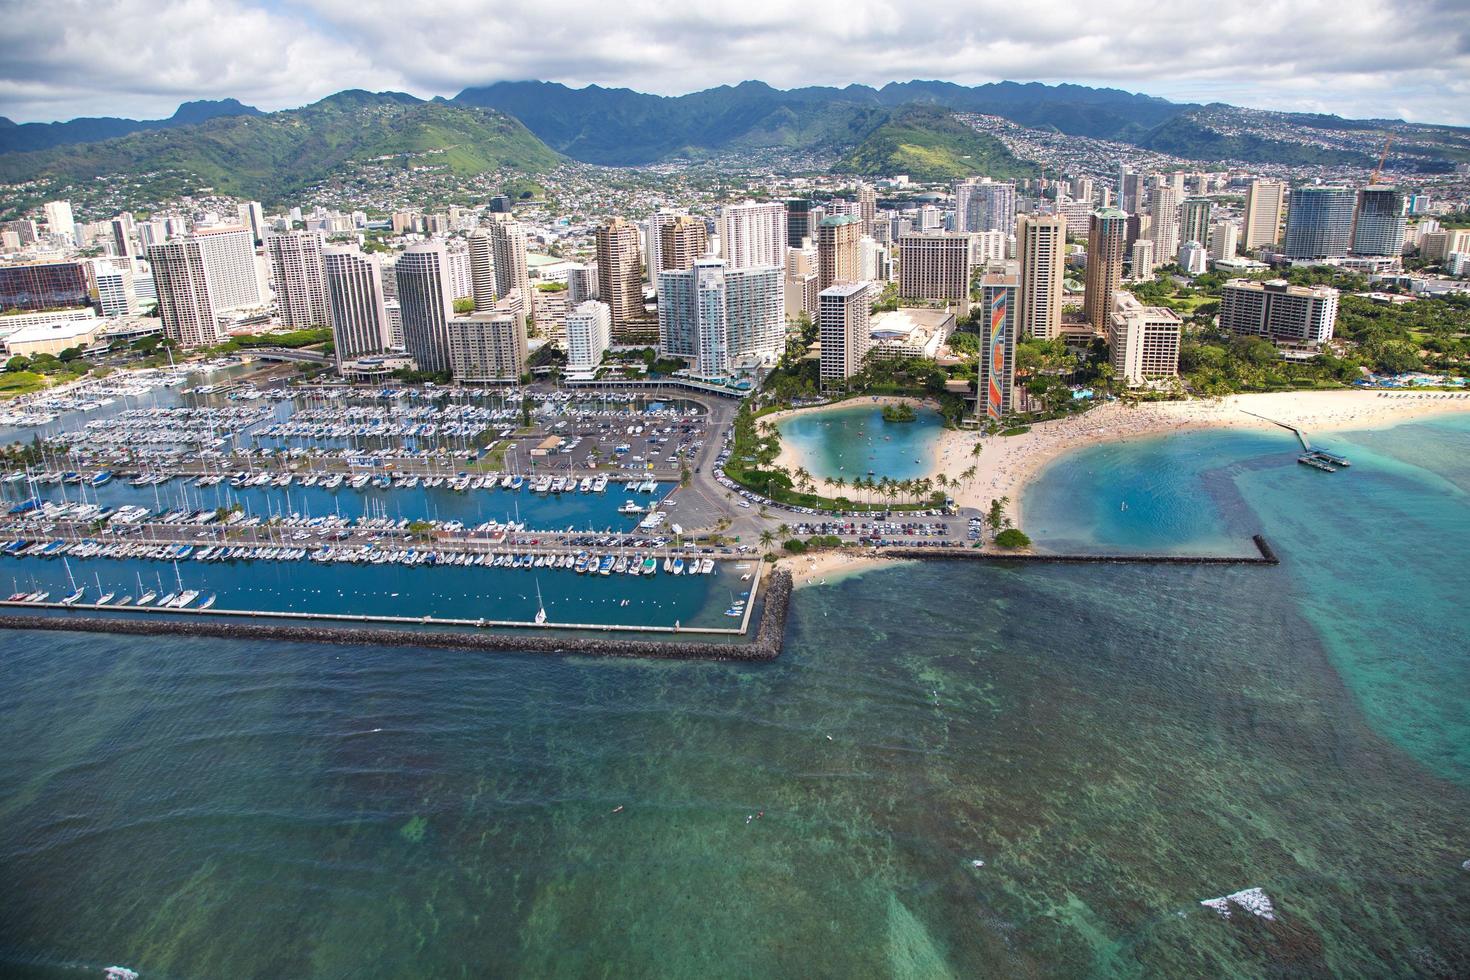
(489, 348)
(867, 199)
(1164, 209)
(1144, 340)
(296, 268)
(839, 258)
(1106, 239)
(1265, 202)
(681, 241)
(185, 300)
(1041, 245)
(508, 247)
(620, 277)
(843, 318)
(934, 266)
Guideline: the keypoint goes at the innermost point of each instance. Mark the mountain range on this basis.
(902, 127)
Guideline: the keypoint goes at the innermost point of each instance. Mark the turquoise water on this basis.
(1115, 743)
(854, 441)
(1377, 553)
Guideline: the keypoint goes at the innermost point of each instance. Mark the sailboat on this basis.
(76, 596)
(145, 596)
(540, 605)
(103, 598)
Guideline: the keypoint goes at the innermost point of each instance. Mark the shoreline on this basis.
(825, 567)
(1006, 464)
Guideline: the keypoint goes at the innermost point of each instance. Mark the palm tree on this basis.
(767, 538)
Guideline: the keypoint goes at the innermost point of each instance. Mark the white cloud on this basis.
(128, 57)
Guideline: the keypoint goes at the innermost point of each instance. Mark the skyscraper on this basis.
(1319, 222)
(653, 240)
(716, 316)
(1041, 245)
(1144, 340)
(482, 270)
(838, 259)
(1379, 222)
(1130, 192)
(589, 333)
(425, 305)
(867, 199)
(998, 319)
(1194, 220)
(843, 314)
(1223, 240)
(934, 267)
(1104, 265)
(982, 204)
(508, 247)
(185, 302)
(1164, 211)
(1265, 202)
(301, 290)
(115, 292)
(681, 241)
(620, 277)
(1142, 259)
(229, 260)
(753, 233)
(801, 221)
(59, 220)
(355, 304)
(252, 217)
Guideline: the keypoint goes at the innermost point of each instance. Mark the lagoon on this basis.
(852, 440)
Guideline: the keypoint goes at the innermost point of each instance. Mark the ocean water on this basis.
(854, 441)
(1116, 744)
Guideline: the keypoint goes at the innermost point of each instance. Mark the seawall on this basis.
(766, 646)
(1266, 556)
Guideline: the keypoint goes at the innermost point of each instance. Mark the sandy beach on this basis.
(826, 567)
(1006, 463)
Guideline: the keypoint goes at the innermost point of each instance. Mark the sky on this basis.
(141, 58)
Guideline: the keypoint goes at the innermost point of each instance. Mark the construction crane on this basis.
(1382, 158)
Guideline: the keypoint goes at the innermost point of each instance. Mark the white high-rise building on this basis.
(653, 240)
(116, 295)
(229, 258)
(1142, 263)
(718, 317)
(589, 334)
(982, 204)
(753, 234)
(355, 304)
(1144, 340)
(843, 320)
(461, 278)
(59, 220)
(183, 286)
(425, 305)
(1224, 240)
(296, 269)
(1193, 258)
(581, 282)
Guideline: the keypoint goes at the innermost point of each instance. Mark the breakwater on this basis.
(766, 645)
(1266, 556)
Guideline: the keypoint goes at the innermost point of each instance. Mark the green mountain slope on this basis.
(273, 156)
(929, 143)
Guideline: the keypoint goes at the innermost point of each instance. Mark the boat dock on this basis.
(1317, 459)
